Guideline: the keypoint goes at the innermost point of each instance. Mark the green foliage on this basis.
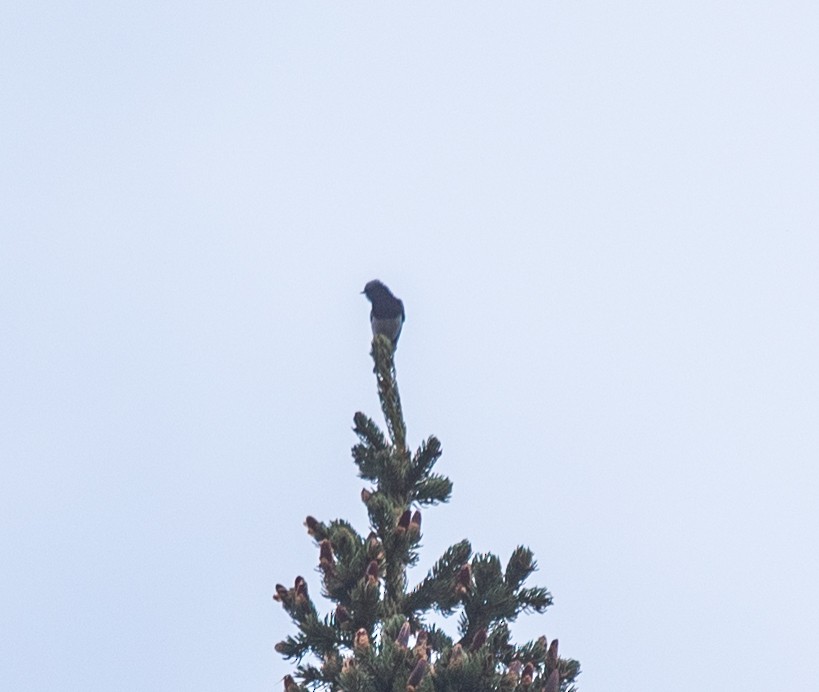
(377, 638)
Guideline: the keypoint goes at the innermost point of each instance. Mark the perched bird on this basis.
(387, 315)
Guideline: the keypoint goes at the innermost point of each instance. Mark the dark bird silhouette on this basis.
(387, 315)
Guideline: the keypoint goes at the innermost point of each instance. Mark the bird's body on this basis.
(387, 314)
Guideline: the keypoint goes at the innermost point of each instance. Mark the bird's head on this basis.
(375, 289)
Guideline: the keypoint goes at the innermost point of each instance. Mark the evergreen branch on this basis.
(346, 541)
(395, 584)
(438, 590)
(368, 432)
(371, 462)
(321, 636)
(316, 529)
(534, 599)
(365, 603)
(438, 639)
(310, 675)
(521, 564)
(432, 490)
(492, 600)
(392, 477)
(293, 647)
(499, 641)
(569, 669)
(461, 670)
(486, 570)
(425, 458)
(296, 601)
(354, 678)
(382, 513)
(534, 651)
(383, 355)
(343, 557)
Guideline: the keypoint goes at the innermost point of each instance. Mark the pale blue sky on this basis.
(603, 221)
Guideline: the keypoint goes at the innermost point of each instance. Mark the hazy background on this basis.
(603, 223)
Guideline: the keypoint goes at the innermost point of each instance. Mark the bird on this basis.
(387, 315)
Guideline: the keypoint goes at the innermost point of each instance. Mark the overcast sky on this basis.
(603, 221)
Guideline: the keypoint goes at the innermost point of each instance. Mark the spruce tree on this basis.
(377, 638)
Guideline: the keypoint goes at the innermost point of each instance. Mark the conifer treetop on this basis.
(377, 638)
